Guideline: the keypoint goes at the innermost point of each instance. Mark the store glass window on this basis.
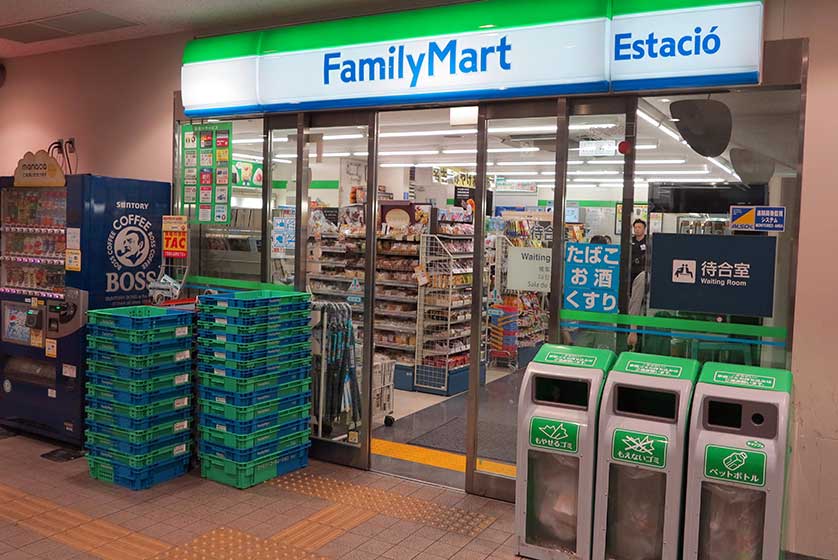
(221, 175)
(720, 196)
(592, 237)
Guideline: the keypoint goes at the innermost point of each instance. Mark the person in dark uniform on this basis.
(639, 248)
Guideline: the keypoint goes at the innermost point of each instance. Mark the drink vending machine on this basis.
(67, 245)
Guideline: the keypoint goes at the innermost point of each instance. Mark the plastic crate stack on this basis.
(139, 395)
(254, 370)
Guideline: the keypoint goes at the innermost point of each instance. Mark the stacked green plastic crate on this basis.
(254, 369)
(139, 391)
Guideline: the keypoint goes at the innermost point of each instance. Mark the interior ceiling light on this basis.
(720, 165)
(409, 153)
(247, 157)
(524, 163)
(342, 136)
(659, 125)
(283, 160)
(452, 164)
(248, 141)
(415, 133)
(597, 172)
(684, 180)
(639, 161)
(673, 172)
(526, 181)
(513, 173)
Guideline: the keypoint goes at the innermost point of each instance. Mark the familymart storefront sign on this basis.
(480, 50)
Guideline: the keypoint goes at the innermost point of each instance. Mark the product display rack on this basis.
(396, 297)
(531, 325)
(33, 242)
(444, 312)
(254, 371)
(139, 395)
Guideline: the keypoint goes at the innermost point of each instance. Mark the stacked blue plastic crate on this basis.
(254, 364)
(139, 392)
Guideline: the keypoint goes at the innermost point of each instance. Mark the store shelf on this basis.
(335, 278)
(33, 229)
(452, 236)
(397, 284)
(452, 256)
(394, 346)
(32, 259)
(399, 314)
(31, 292)
(336, 293)
(428, 353)
(401, 299)
(394, 328)
(447, 307)
(397, 254)
(434, 323)
(445, 336)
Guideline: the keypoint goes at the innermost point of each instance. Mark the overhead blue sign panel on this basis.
(724, 275)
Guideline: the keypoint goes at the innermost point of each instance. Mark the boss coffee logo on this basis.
(131, 248)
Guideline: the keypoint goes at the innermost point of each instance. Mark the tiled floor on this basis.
(55, 511)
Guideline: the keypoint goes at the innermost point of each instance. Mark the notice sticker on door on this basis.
(73, 238)
(51, 348)
(72, 260)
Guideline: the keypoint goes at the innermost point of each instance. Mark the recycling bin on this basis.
(557, 414)
(640, 464)
(739, 441)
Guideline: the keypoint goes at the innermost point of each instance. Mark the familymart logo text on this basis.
(400, 62)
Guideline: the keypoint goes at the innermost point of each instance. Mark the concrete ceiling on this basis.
(147, 18)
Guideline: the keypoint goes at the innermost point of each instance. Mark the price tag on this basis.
(181, 379)
(220, 320)
(220, 355)
(219, 371)
(222, 400)
(180, 403)
(180, 426)
(179, 449)
(221, 427)
(183, 355)
(221, 337)
(223, 303)
(51, 393)
(181, 332)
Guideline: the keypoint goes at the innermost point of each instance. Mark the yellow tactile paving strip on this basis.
(225, 544)
(454, 520)
(323, 527)
(436, 458)
(99, 538)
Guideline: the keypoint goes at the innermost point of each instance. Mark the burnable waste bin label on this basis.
(557, 435)
(648, 450)
(742, 466)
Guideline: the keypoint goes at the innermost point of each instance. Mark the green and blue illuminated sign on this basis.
(479, 50)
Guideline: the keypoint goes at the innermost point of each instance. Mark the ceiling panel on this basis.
(157, 17)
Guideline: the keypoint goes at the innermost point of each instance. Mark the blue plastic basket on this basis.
(95, 438)
(278, 368)
(137, 348)
(140, 317)
(272, 321)
(292, 460)
(125, 372)
(249, 399)
(137, 479)
(126, 422)
(126, 397)
(256, 298)
(250, 426)
(276, 445)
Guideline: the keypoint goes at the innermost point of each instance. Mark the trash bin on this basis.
(557, 413)
(640, 459)
(738, 457)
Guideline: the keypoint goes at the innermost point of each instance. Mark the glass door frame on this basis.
(479, 482)
(330, 451)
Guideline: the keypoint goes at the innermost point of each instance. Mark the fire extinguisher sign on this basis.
(175, 237)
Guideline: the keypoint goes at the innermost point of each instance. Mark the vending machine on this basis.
(66, 245)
